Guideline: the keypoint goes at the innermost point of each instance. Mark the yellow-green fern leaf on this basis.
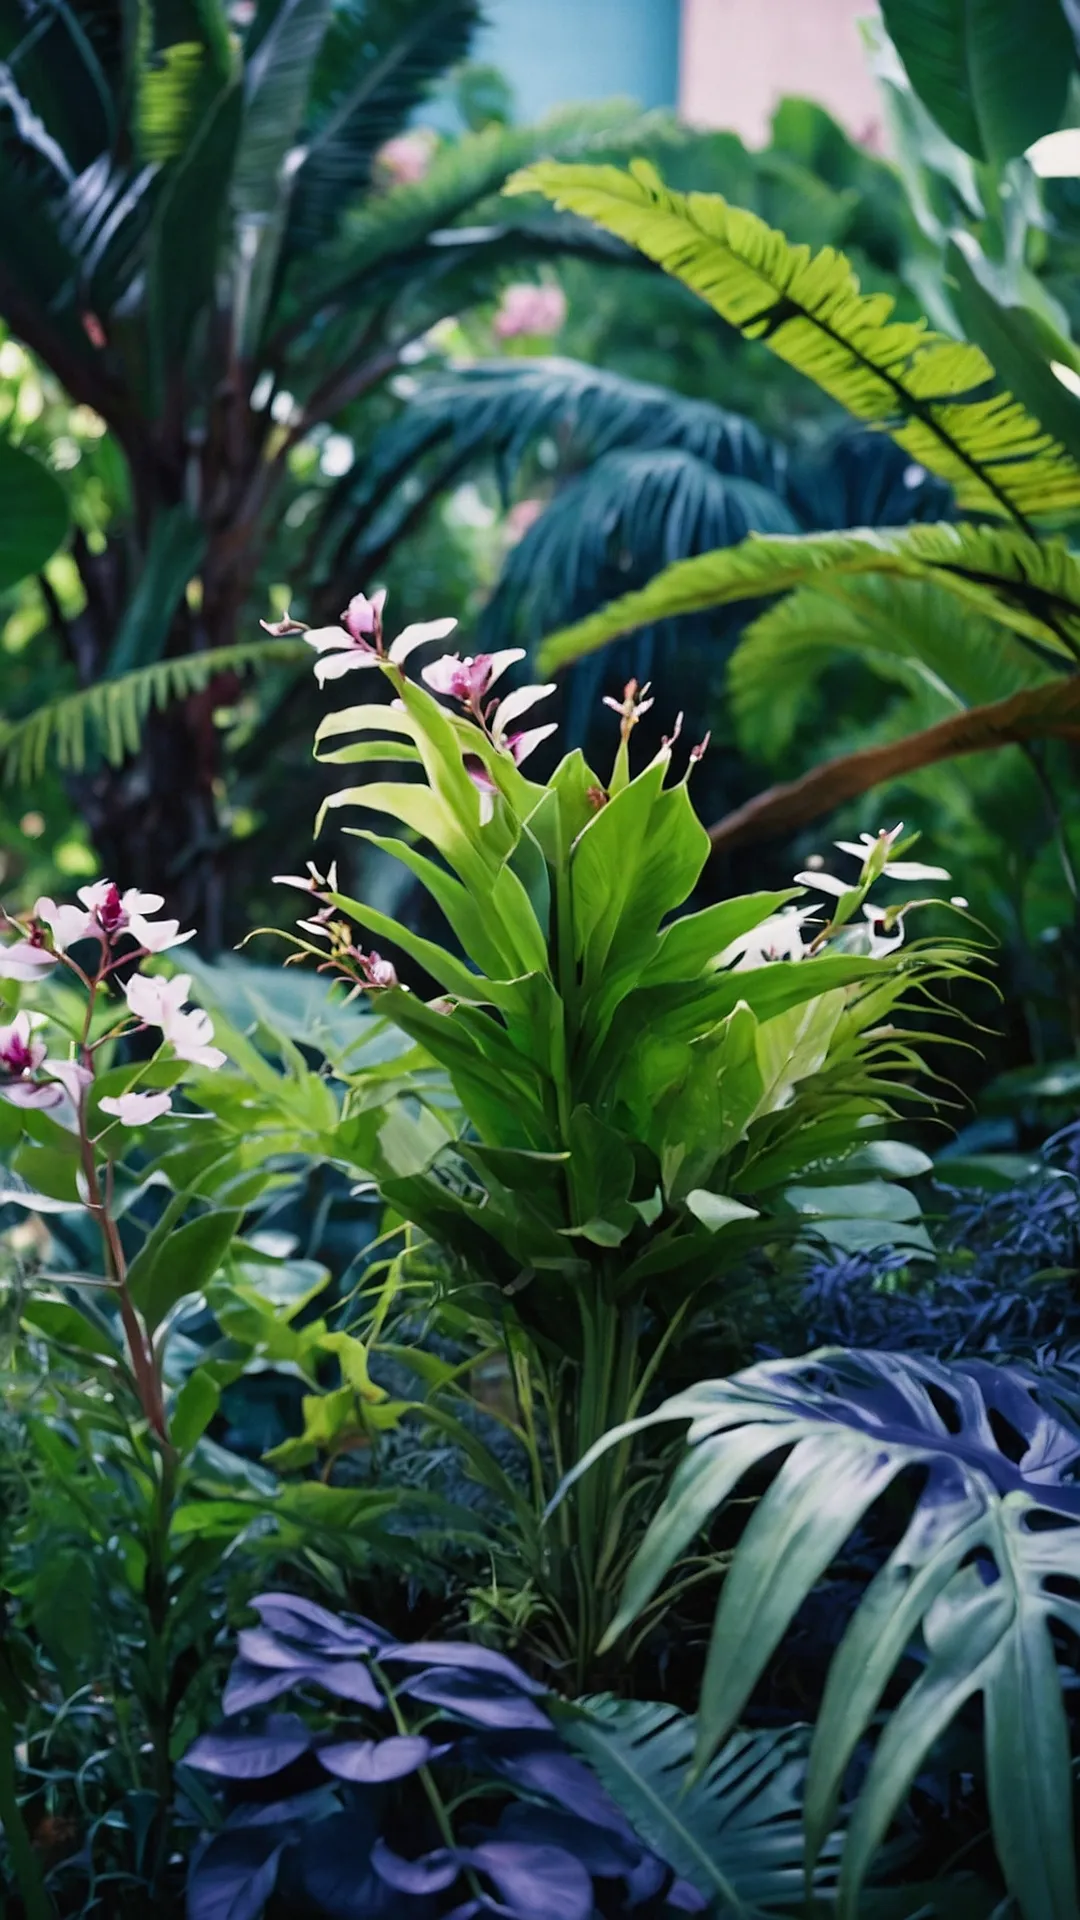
(1028, 585)
(927, 391)
(108, 718)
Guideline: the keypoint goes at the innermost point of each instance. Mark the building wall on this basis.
(557, 51)
(739, 57)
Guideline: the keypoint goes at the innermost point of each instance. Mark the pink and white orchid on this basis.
(137, 1109)
(358, 641)
(28, 1078)
(469, 680)
(161, 1003)
(111, 913)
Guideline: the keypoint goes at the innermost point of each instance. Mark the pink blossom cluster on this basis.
(529, 311)
(122, 929)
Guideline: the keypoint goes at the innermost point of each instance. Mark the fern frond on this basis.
(109, 716)
(734, 1831)
(922, 388)
(1031, 586)
(909, 633)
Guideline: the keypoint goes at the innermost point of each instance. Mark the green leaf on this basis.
(1031, 586)
(986, 1566)
(33, 515)
(717, 1210)
(109, 717)
(194, 1408)
(65, 1324)
(733, 1832)
(174, 551)
(994, 73)
(184, 1263)
(1023, 345)
(807, 308)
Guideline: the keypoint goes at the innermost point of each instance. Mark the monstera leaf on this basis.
(985, 1570)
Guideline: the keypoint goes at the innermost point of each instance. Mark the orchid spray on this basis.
(85, 1110)
(646, 1096)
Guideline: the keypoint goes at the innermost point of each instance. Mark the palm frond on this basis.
(461, 177)
(927, 391)
(376, 62)
(1029, 585)
(625, 515)
(1048, 711)
(109, 717)
(909, 633)
(735, 1832)
(502, 409)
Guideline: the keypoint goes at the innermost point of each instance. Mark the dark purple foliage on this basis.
(535, 1836)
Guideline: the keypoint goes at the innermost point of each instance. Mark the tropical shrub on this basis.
(640, 1100)
(427, 1778)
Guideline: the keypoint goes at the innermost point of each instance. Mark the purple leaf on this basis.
(457, 1653)
(432, 1873)
(599, 1850)
(249, 1686)
(537, 1883)
(685, 1898)
(234, 1877)
(552, 1772)
(263, 1649)
(369, 1761)
(250, 1753)
(315, 1626)
(486, 1704)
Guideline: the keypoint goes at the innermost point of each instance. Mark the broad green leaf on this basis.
(181, 1264)
(994, 73)
(33, 514)
(717, 1210)
(195, 1406)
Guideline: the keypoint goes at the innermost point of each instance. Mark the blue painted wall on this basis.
(555, 51)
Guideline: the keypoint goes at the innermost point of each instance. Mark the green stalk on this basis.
(27, 1866)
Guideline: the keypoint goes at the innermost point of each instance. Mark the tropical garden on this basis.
(540, 1030)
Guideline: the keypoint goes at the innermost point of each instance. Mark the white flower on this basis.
(137, 1109)
(358, 641)
(160, 1003)
(68, 925)
(893, 869)
(189, 1036)
(889, 938)
(777, 938)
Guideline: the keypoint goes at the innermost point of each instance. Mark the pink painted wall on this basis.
(739, 57)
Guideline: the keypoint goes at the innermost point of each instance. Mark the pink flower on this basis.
(23, 1059)
(358, 641)
(531, 310)
(27, 959)
(160, 1003)
(20, 1053)
(468, 680)
(377, 971)
(137, 1109)
(111, 913)
(521, 517)
(67, 925)
(405, 160)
